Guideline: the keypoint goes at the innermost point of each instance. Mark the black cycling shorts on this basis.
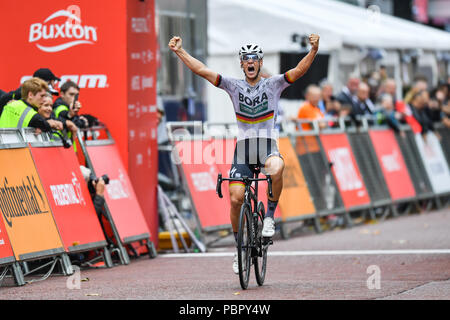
(250, 154)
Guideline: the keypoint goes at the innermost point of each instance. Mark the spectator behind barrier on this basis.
(446, 115)
(327, 95)
(390, 87)
(363, 105)
(438, 100)
(420, 84)
(42, 73)
(348, 93)
(419, 102)
(309, 110)
(386, 113)
(45, 110)
(67, 106)
(23, 113)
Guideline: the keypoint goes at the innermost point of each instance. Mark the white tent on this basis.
(232, 23)
(344, 30)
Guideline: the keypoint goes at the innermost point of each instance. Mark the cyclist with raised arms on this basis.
(255, 100)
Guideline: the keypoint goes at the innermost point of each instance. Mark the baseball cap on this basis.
(45, 74)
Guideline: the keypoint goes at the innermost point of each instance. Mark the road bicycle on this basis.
(251, 245)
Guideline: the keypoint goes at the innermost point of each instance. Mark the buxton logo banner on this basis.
(62, 30)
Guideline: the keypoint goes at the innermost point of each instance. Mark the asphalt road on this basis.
(402, 258)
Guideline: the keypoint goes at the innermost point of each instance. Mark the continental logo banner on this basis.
(24, 206)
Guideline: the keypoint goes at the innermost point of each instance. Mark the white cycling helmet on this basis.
(251, 48)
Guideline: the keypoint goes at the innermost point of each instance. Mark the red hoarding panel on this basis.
(6, 253)
(141, 106)
(109, 49)
(345, 170)
(392, 164)
(84, 41)
(119, 196)
(201, 178)
(69, 197)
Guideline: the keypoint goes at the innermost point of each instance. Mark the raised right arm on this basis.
(175, 44)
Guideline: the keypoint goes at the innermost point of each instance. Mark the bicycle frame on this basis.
(248, 185)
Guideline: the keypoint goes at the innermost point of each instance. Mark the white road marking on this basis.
(312, 253)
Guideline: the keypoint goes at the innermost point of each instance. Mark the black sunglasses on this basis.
(249, 56)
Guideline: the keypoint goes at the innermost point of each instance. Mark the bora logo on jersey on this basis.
(255, 105)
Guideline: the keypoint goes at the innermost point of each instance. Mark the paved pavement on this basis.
(402, 258)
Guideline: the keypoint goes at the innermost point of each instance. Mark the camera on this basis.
(92, 177)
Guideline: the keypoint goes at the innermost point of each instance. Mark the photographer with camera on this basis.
(96, 188)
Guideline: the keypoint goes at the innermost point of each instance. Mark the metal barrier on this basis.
(319, 178)
(445, 139)
(414, 163)
(370, 169)
(121, 208)
(26, 213)
(72, 208)
(318, 155)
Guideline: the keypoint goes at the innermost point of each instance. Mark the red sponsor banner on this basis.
(119, 195)
(68, 197)
(82, 41)
(392, 164)
(345, 170)
(141, 106)
(201, 177)
(109, 49)
(6, 253)
(202, 161)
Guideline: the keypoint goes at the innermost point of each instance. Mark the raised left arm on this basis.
(306, 62)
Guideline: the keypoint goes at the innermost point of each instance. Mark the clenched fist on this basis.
(175, 44)
(314, 41)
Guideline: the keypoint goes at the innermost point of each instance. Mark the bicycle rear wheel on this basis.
(244, 245)
(260, 260)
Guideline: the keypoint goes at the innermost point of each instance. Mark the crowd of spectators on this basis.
(375, 98)
(37, 104)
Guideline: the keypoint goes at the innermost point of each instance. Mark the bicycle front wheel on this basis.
(244, 245)
(260, 260)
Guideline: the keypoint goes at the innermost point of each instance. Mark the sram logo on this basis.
(83, 81)
(68, 30)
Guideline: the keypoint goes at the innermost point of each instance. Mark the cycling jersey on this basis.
(255, 106)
